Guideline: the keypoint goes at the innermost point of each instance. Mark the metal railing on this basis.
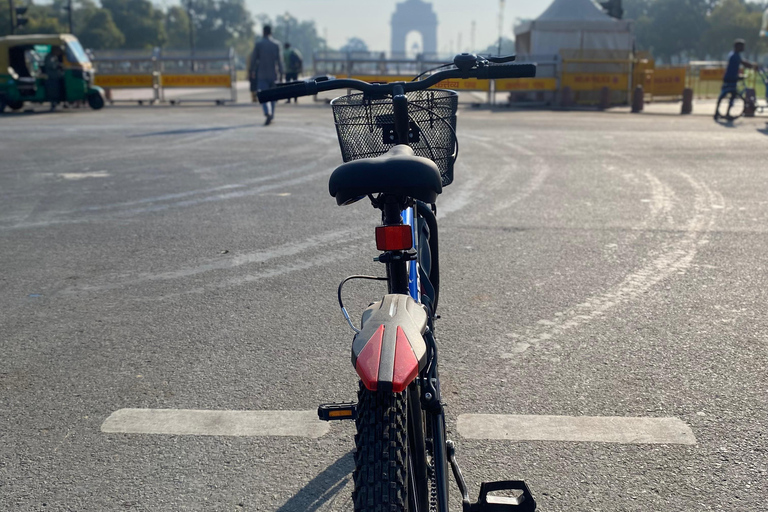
(157, 70)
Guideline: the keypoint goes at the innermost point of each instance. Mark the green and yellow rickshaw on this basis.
(24, 77)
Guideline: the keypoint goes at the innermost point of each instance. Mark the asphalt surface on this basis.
(593, 264)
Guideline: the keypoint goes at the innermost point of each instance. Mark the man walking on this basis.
(294, 65)
(267, 67)
(731, 77)
(54, 76)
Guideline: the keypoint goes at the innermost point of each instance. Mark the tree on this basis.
(42, 20)
(675, 27)
(732, 19)
(354, 44)
(177, 27)
(695, 28)
(301, 34)
(220, 24)
(507, 47)
(139, 21)
(99, 31)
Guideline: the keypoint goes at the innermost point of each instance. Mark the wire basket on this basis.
(365, 127)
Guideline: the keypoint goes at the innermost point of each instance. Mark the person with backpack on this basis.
(294, 65)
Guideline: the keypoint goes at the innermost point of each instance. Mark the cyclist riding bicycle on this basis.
(731, 77)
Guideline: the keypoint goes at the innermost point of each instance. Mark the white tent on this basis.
(574, 25)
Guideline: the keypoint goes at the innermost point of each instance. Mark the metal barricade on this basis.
(587, 72)
(157, 70)
(376, 67)
(200, 69)
(127, 69)
(705, 77)
(542, 89)
(665, 82)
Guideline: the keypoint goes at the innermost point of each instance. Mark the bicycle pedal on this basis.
(337, 411)
(503, 496)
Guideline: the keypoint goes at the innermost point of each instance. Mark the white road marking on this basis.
(83, 175)
(279, 252)
(215, 423)
(675, 258)
(596, 429)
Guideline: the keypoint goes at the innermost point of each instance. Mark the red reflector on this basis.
(393, 238)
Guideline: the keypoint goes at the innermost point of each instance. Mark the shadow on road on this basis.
(764, 131)
(726, 123)
(323, 487)
(192, 130)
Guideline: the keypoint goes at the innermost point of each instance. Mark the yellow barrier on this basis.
(527, 84)
(596, 81)
(382, 78)
(665, 81)
(711, 74)
(455, 84)
(460, 84)
(472, 84)
(196, 80)
(123, 81)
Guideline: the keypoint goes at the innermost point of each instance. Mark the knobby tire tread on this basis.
(381, 458)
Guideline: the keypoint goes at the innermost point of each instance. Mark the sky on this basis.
(369, 19)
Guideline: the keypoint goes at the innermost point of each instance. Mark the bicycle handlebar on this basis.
(312, 87)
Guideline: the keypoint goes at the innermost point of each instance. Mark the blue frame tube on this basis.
(413, 267)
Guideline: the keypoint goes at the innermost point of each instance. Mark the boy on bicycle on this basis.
(732, 76)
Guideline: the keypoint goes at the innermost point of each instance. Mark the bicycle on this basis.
(399, 145)
(763, 74)
(737, 100)
(742, 99)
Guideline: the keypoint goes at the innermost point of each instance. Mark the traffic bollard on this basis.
(637, 100)
(605, 98)
(687, 101)
(566, 97)
(750, 100)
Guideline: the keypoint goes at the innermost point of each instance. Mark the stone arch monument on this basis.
(414, 15)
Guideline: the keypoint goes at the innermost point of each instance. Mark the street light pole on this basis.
(287, 21)
(501, 22)
(10, 18)
(70, 17)
(190, 12)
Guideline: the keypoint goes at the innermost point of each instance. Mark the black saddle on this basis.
(397, 172)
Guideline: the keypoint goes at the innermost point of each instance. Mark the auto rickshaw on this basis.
(23, 76)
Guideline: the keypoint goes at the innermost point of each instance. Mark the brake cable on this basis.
(343, 309)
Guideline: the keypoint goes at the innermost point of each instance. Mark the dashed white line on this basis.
(215, 423)
(596, 429)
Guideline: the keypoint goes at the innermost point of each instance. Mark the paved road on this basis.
(594, 266)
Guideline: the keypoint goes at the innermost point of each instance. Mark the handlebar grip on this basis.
(292, 90)
(508, 71)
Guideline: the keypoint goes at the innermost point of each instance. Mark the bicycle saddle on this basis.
(396, 172)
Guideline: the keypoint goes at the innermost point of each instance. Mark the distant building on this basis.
(573, 25)
(410, 16)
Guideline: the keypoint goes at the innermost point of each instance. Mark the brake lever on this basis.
(500, 60)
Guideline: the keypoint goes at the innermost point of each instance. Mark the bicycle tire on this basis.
(731, 106)
(381, 457)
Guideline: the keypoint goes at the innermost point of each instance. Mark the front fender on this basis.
(95, 89)
(389, 351)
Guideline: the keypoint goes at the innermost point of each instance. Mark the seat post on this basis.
(397, 268)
